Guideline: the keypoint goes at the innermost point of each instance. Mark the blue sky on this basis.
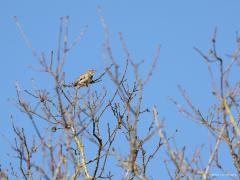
(177, 25)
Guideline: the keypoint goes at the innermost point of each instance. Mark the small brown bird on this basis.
(85, 78)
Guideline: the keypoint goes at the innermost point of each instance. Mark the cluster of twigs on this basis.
(74, 120)
(222, 119)
(78, 129)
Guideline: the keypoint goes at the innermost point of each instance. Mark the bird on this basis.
(84, 79)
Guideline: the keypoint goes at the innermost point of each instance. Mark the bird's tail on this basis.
(68, 85)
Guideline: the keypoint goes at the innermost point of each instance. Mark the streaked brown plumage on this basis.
(85, 78)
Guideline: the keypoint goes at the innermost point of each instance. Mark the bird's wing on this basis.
(81, 77)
